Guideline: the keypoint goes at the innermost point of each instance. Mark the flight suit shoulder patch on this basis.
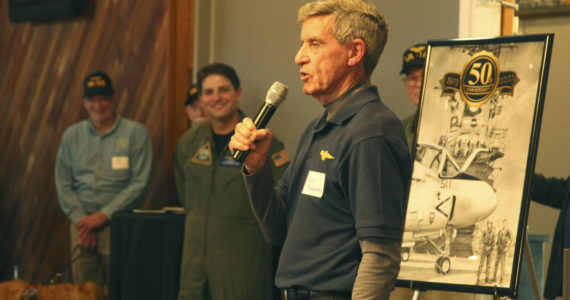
(280, 158)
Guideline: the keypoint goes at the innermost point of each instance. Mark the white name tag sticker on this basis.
(120, 162)
(315, 184)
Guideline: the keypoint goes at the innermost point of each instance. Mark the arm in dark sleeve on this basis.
(267, 204)
(549, 191)
(377, 187)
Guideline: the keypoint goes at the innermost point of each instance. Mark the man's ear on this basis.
(239, 93)
(357, 52)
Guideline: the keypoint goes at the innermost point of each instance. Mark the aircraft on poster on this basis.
(448, 193)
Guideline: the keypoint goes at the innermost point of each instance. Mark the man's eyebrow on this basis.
(312, 39)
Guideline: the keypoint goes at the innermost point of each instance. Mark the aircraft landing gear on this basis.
(443, 265)
(405, 254)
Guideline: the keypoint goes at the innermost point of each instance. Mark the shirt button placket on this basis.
(98, 166)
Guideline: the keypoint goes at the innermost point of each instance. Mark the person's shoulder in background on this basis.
(550, 191)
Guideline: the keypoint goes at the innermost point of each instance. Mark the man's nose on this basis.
(216, 96)
(301, 58)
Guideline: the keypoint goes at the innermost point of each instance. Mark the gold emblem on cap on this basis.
(96, 81)
(420, 51)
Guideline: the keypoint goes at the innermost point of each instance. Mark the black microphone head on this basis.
(276, 94)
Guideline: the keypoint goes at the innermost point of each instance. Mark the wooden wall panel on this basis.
(42, 67)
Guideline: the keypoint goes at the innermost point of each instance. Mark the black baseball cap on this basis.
(193, 93)
(414, 57)
(98, 83)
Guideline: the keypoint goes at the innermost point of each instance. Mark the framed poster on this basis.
(477, 132)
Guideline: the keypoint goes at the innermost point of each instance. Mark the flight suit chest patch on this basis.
(228, 160)
(203, 156)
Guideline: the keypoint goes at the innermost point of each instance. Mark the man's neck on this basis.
(105, 126)
(350, 80)
(225, 126)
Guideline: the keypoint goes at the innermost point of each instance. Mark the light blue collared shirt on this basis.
(109, 172)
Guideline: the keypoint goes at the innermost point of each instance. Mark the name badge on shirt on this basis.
(315, 184)
(120, 162)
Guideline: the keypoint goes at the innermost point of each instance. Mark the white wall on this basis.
(261, 37)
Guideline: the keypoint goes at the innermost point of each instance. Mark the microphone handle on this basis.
(263, 117)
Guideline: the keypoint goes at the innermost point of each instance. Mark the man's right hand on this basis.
(247, 137)
(87, 240)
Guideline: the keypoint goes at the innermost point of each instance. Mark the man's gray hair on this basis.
(353, 19)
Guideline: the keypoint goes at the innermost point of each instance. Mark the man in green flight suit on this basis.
(225, 255)
(413, 63)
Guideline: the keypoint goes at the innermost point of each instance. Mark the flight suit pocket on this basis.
(196, 186)
(236, 201)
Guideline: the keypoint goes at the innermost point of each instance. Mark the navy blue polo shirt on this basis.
(349, 181)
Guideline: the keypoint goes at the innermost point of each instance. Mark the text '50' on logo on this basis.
(479, 80)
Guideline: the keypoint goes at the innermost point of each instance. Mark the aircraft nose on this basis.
(475, 201)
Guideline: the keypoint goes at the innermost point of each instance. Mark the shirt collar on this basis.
(211, 129)
(352, 101)
(113, 128)
(333, 107)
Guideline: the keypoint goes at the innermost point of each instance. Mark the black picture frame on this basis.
(474, 152)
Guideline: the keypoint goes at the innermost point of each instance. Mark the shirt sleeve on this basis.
(140, 159)
(378, 269)
(549, 191)
(179, 160)
(268, 203)
(376, 186)
(68, 199)
(278, 159)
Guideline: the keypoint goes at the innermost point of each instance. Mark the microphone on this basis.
(276, 94)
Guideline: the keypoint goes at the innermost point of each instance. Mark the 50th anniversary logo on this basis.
(479, 80)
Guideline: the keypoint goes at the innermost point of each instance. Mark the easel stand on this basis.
(416, 295)
(531, 271)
